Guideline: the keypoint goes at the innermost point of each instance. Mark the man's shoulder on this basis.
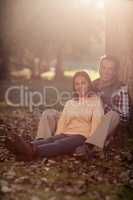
(122, 89)
(95, 84)
(96, 81)
(122, 85)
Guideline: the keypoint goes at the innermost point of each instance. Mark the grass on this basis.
(69, 73)
(49, 75)
(64, 171)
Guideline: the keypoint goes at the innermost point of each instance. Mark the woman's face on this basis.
(107, 70)
(81, 86)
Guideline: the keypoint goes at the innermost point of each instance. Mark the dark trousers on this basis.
(58, 145)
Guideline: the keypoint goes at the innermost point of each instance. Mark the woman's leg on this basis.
(21, 147)
(28, 151)
(48, 140)
(61, 146)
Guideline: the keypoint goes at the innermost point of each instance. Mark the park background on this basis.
(42, 43)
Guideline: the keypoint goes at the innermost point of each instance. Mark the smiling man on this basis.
(112, 91)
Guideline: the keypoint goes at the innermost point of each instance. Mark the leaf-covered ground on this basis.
(62, 178)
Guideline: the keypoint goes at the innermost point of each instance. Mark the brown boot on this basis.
(25, 150)
(9, 144)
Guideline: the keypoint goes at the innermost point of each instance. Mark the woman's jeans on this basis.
(58, 145)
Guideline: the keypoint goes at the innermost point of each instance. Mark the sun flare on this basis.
(99, 3)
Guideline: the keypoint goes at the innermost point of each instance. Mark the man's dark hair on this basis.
(112, 59)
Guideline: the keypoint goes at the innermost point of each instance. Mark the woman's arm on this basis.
(62, 120)
(61, 124)
(97, 114)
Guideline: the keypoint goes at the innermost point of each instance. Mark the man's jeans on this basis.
(59, 144)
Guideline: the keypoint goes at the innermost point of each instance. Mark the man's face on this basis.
(107, 70)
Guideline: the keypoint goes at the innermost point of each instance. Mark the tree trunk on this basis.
(119, 37)
(59, 64)
(4, 50)
(4, 72)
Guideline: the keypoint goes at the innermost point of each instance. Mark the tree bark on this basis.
(59, 64)
(4, 50)
(119, 37)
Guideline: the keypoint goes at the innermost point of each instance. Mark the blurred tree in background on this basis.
(53, 30)
(4, 51)
(119, 37)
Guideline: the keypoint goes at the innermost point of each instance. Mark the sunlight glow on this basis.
(99, 3)
(85, 1)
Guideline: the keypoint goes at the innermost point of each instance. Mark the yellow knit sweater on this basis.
(81, 117)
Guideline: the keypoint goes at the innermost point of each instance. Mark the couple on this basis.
(90, 116)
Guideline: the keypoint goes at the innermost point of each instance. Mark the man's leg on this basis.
(48, 123)
(109, 123)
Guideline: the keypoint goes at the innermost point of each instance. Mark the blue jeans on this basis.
(58, 145)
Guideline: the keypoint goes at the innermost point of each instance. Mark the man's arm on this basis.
(120, 103)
